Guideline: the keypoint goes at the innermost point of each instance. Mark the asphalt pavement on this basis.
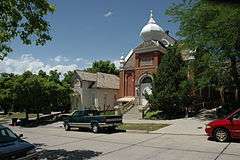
(55, 143)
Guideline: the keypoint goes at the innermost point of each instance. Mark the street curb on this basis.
(183, 134)
(152, 132)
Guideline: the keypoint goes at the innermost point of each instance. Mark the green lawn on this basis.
(10, 115)
(108, 113)
(142, 126)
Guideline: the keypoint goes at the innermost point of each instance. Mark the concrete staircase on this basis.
(207, 114)
(133, 114)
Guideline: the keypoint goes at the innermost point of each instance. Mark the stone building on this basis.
(137, 68)
(94, 91)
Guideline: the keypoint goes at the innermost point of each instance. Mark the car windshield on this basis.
(6, 135)
(236, 116)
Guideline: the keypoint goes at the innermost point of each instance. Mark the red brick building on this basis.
(139, 65)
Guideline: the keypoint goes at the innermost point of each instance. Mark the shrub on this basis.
(153, 115)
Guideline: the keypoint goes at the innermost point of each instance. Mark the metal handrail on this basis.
(128, 106)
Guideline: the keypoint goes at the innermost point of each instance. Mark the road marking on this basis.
(222, 151)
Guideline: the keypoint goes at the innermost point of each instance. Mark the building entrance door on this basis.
(145, 88)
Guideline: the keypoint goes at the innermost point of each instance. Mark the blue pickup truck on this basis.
(91, 119)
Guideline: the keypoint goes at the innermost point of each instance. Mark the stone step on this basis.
(133, 114)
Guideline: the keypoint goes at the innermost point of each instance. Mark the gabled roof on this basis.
(149, 46)
(101, 80)
(107, 81)
(86, 76)
(130, 63)
(128, 55)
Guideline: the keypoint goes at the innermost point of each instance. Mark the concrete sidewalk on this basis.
(184, 126)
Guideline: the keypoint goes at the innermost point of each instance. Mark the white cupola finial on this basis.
(151, 13)
(122, 61)
(151, 31)
(151, 19)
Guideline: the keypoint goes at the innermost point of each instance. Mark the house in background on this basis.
(94, 91)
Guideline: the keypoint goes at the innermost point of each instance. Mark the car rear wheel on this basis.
(221, 135)
(95, 128)
(67, 127)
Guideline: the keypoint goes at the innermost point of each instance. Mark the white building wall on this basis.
(93, 98)
(106, 98)
(88, 95)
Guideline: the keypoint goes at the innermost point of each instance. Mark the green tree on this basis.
(68, 77)
(58, 96)
(54, 76)
(42, 74)
(25, 20)
(104, 67)
(211, 29)
(6, 94)
(22, 88)
(34, 93)
(35, 90)
(167, 94)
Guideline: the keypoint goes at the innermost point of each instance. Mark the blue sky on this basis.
(88, 30)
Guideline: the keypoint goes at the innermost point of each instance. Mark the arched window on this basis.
(146, 80)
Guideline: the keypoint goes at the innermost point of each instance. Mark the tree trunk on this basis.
(27, 117)
(222, 95)
(236, 94)
(5, 110)
(38, 117)
(234, 74)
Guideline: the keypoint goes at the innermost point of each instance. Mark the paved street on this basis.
(55, 143)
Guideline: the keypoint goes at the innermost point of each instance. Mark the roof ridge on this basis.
(107, 74)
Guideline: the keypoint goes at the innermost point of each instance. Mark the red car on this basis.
(225, 129)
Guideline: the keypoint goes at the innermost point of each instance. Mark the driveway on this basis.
(55, 143)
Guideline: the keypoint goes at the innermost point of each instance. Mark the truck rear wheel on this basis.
(112, 128)
(95, 128)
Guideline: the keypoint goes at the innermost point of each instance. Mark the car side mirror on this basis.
(20, 135)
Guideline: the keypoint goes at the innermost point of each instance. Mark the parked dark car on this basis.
(13, 147)
(225, 129)
(91, 119)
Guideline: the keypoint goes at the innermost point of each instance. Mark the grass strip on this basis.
(141, 126)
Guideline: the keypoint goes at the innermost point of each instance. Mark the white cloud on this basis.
(117, 63)
(60, 59)
(79, 59)
(84, 62)
(28, 63)
(109, 13)
(64, 68)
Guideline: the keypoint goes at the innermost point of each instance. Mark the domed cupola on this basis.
(152, 31)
